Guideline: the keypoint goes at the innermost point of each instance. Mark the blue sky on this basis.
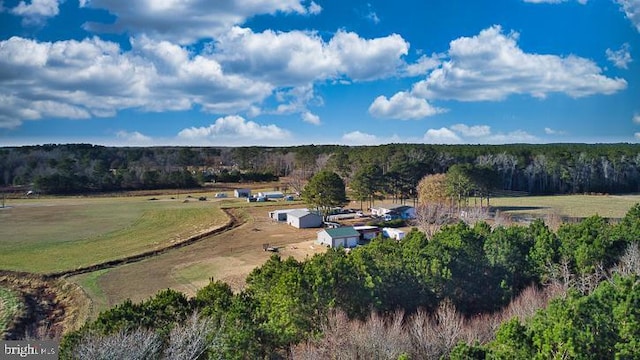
(289, 72)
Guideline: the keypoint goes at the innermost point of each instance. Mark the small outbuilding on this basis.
(271, 194)
(281, 215)
(303, 219)
(390, 212)
(367, 233)
(242, 193)
(393, 233)
(339, 237)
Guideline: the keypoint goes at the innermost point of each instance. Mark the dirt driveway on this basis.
(229, 257)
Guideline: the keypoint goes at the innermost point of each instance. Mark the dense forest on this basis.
(536, 169)
(470, 291)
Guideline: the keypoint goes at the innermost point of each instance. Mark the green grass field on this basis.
(47, 235)
(56, 234)
(575, 206)
(10, 308)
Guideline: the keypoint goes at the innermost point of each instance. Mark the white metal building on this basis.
(339, 237)
(242, 193)
(303, 219)
(393, 233)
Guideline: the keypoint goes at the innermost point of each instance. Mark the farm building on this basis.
(303, 219)
(390, 212)
(271, 195)
(339, 237)
(367, 232)
(281, 215)
(242, 193)
(393, 233)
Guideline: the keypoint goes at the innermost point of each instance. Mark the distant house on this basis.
(393, 233)
(303, 219)
(391, 212)
(367, 232)
(271, 194)
(339, 237)
(242, 193)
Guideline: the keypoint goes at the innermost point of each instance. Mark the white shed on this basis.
(393, 233)
(367, 232)
(281, 215)
(394, 212)
(303, 219)
(242, 193)
(339, 237)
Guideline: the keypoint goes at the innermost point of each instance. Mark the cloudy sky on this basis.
(287, 72)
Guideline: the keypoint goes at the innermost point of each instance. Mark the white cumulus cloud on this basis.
(368, 59)
(359, 138)
(402, 106)
(36, 11)
(92, 77)
(133, 138)
(631, 9)
(424, 65)
(472, 131)
(636, 118)
(478, 134)
(490, 67)
(441, 136)
(310, 118)
(235, 127)
(620, 58)
(187, 21)
(298, 57)
(550, 131)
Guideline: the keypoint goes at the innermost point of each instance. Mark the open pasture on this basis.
(571, 206)
(45, 235)
(50, 235)
(229, 256)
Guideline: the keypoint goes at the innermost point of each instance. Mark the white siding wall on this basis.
(324, 238)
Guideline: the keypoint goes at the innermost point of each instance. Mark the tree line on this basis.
(461, 275)
(536, 169)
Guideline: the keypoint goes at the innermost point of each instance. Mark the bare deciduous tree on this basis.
(434, 336)
(191, 339)
(135, 344)
(376, 338)
(421, 336)
(629, 263)
(431, 217)
(473, 214)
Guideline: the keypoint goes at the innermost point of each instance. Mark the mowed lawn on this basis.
(49, 235)
(575, 206)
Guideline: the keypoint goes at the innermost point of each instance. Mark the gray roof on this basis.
(342, 232)
(300, 213)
